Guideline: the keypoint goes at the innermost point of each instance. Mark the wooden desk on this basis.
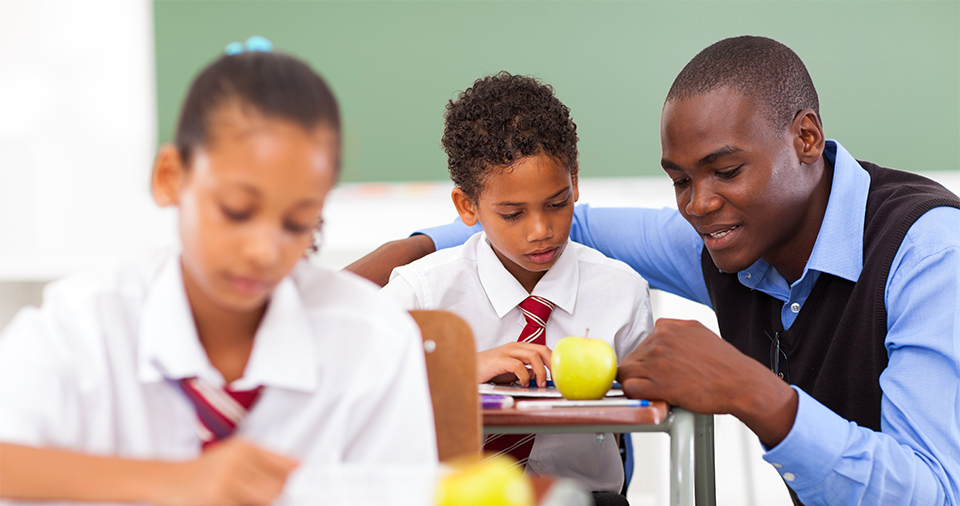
(692, 478)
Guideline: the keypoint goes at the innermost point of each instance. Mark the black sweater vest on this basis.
(835, 347)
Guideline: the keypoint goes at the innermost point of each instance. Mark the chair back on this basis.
(451, 357)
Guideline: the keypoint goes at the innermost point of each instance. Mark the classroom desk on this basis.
(692, 478)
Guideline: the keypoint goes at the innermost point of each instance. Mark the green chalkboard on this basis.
(888, 72)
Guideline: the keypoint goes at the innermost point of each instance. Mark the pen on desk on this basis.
(491, 401)
(602, 403)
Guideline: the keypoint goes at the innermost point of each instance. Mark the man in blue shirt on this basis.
(838, 276)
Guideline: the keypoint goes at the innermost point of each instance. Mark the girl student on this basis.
(216, 372)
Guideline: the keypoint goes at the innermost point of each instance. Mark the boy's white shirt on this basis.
(590, 291)
(343, 370)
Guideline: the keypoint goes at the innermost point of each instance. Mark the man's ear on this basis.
(466, 207)
(168, 175)
(808, 138)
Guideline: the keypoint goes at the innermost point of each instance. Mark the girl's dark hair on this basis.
(275, 84)
(501, 119)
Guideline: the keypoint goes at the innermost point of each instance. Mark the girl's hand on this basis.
(513, 358)
(231, 472)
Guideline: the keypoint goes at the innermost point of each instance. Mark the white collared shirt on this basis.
(342, 368)
(591, 292)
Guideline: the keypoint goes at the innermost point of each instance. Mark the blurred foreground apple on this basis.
(492, 482)
(583, 368)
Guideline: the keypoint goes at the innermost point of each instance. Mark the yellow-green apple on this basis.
(583, 368)
(496, 481)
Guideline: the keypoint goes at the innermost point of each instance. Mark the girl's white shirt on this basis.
(93, 370)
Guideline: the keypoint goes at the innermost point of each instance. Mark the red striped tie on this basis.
(219, 410)
(537, 311)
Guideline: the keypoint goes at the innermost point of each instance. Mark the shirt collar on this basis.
(839, 246)
(170, 347)
(558, 285)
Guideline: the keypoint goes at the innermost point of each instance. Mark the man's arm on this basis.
(657, 243)
(823, 457)
(231, 472)
(914, 459)
(377, 265)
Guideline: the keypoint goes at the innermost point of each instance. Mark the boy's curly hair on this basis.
(501, 119)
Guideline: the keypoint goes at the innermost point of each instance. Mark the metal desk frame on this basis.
(692, 477)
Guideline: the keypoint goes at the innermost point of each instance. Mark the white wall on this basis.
(77, 135)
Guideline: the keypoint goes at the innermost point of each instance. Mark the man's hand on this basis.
(687, 365)
(231, 472)
(513, 359)
(377, 265)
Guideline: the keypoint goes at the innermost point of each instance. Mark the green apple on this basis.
(583, 368)
(495, 481)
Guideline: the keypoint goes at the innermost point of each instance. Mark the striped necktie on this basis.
(219, 410)
(537, 311)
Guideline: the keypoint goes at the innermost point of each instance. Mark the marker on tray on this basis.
(492, 401)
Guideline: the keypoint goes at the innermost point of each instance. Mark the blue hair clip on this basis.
(233, 48)
(259, 43)
(254, 43)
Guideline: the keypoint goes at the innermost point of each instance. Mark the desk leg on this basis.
(682, 444)
(706, 487)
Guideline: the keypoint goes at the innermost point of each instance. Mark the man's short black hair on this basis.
(757, 67)
(501, 119)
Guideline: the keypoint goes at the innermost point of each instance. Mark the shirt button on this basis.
(789, 476)
(795, 307)
(749, 275)
(778, 466)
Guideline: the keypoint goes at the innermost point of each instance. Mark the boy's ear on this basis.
(574, 179)
(168, 174)
(466, 208)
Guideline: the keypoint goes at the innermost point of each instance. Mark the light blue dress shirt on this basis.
(915, 459)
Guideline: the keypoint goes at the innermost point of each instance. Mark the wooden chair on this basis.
(452, 373)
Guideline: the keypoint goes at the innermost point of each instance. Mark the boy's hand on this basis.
(232, 471)
(513, 358)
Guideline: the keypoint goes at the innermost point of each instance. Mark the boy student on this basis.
(521, 283)
(209, 375)
(835, 283)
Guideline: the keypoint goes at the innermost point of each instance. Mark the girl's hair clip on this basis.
(254, 43)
